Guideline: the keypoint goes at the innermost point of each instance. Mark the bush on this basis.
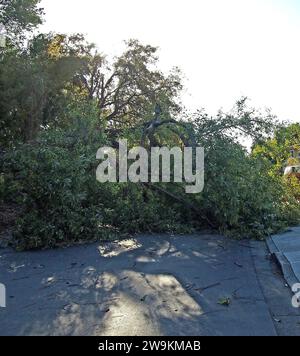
(240, 196)
(54, 181)
(137, 209)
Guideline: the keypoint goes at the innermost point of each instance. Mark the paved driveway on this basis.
(149, 285)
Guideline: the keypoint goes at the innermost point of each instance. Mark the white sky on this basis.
(226, 48)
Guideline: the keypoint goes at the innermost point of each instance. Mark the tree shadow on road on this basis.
(151, 285)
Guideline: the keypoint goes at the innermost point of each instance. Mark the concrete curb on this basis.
(283, 263)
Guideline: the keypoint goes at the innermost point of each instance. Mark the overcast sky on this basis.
(226, 48)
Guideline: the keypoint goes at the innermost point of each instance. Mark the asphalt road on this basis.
(148, 285)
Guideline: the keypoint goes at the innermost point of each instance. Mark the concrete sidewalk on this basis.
(149, 285)
(285, 248)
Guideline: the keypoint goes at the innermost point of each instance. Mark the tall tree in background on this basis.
(20, 18)
(277, 150)
(33, 88)
(127, 89)
(40, 82)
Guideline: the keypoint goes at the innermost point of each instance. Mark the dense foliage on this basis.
(61, 100)
(54, 182)
(278, 149)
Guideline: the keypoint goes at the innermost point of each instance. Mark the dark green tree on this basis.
(20, 17)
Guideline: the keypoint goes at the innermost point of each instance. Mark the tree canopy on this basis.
(20, 17)
(279, 150)
(62, 99)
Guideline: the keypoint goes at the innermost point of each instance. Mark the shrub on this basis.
(54, 181)
(240, 196)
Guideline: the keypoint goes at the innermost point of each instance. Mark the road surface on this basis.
(147, 286)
